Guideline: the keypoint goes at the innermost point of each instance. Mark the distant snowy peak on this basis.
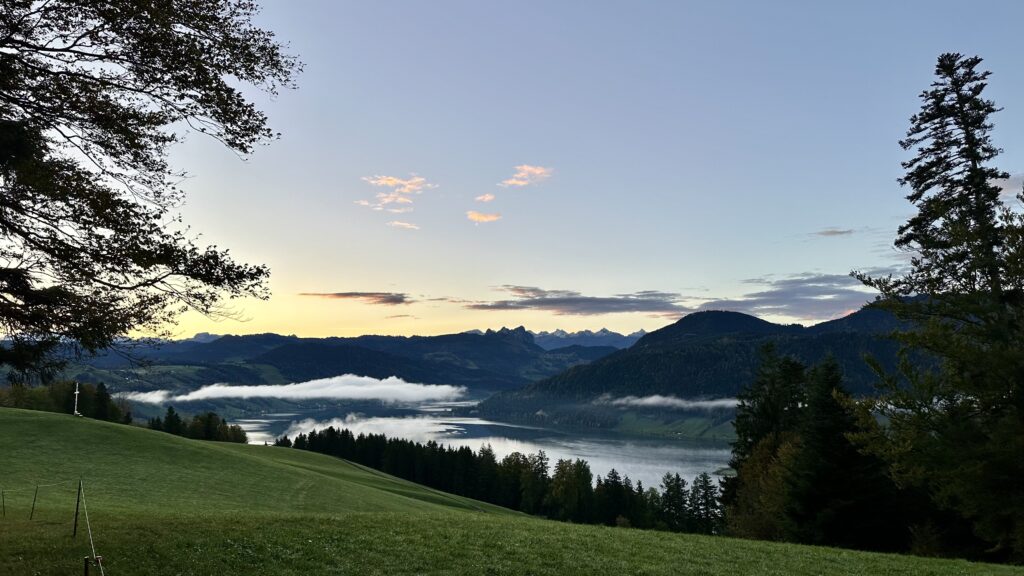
(602, 337)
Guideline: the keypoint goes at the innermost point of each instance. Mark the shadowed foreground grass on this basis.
(164, 505)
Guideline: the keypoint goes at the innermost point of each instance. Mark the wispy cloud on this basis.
(394, 316)
(403, 225)
(398, 193)
(806, 297)
(383, 298)
(413, 185)
(572, 303)
(347, 387)
(526, 175)
(480, 217)
(659, 401)
(831, 232)
(485, 198)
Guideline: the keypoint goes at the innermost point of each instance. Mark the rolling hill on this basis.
(162, 505)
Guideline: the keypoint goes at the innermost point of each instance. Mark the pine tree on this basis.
(958, 431)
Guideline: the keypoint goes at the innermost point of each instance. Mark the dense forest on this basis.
(525, 482)
(205, 426)
(94, 401)
(97, 402)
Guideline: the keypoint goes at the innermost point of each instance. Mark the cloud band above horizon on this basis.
(392, 390)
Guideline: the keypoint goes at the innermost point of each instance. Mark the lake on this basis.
(641, 459)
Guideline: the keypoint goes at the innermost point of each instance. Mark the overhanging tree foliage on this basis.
(958, 431)
(92, 94)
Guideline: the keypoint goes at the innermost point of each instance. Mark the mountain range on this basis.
(705, 355)
(666, 376)
(602, 337)
(483, 362)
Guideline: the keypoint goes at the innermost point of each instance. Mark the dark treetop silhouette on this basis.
(91, 96)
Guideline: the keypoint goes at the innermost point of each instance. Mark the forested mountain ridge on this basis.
(706, 355)
(493, 360)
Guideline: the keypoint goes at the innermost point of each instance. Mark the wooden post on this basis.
(78, 501)
(3, 503)
(85, 566)
(34, 496)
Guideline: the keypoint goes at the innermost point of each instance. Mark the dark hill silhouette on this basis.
(712, 323)
(492, 360)
(302, 361)
(707, 355)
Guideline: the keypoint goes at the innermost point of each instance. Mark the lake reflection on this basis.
(645, 460)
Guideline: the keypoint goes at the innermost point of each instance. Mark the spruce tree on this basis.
(835, 495)
(768, 409)
(957, 431)
(674, 502)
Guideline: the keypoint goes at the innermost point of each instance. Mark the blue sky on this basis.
(678, 155)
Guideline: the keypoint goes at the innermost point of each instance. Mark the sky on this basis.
(455, 165)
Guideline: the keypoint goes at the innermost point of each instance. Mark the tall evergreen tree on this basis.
(835, 495)
(103, 403)
(172, 423)
(674, 502)
(958, 431)
(767, 410)
(703, 505)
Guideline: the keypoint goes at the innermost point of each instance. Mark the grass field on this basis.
(159, 504)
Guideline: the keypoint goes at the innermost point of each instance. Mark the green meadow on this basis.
(164, 505)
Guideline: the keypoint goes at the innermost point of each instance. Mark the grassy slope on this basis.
(166, 505)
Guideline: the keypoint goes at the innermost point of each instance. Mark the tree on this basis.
(958, 430)
(674, 502)
(103, 403)
(768, 411)
(534, 483)
(92, 94)
(172, 423)
(835, 495)
(571, 490)
(704, 509)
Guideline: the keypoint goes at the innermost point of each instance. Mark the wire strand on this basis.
(88, 527)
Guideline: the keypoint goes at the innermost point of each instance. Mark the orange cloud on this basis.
(526, 175)
(400, 191)
(485, 198)
(479, 217)
(413, 185)
(403, 225)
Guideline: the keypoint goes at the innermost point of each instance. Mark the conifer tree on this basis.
(103, 403)
(958, 430)
(767, 410)
(835, 495)
(674, 502)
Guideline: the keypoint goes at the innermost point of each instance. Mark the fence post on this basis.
(78, 501)
(34, 496)
(3, 503)
(85, 566)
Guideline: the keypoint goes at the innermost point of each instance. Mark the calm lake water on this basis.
(645, 460)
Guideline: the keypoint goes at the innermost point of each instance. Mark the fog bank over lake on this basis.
(645, 460)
